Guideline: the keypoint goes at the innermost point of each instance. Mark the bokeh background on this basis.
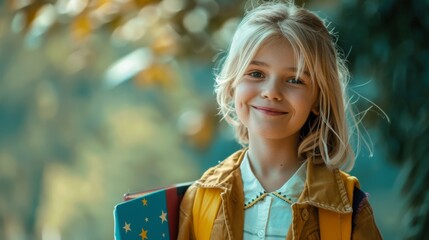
(103, 97)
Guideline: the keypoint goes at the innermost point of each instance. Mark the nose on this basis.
(271, 91)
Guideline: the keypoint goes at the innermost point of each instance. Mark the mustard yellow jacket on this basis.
(323, 189)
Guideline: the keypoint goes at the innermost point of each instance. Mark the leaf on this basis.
(160, 74)
(81, 28)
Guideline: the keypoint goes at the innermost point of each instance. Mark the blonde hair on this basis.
(325, 136)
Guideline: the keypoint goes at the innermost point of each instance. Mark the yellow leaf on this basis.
(81, 28)
(165, 41)
(157, 74)
(142, 3)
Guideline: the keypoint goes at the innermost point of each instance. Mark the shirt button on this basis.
(261, 233)
(304, 214)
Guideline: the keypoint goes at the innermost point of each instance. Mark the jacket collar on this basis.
(221, 175)
(324, 187)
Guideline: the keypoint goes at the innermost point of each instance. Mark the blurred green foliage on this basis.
(100, 98)
(389, 47)
(103, 97)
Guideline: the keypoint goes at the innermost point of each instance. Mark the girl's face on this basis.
(270, 100)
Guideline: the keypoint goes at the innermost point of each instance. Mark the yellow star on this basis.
(127, 227)
(143, 234)
(163, 216)
(144, 201)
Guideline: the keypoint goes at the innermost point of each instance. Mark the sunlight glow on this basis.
(128, 66)
(71, 7)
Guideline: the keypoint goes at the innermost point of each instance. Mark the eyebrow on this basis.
(263, 64)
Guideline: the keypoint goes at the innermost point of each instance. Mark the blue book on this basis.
(149, 215)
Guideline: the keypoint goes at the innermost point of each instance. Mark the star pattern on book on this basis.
(127, 227)
(152, 216)
(163, 216)
(143, 234)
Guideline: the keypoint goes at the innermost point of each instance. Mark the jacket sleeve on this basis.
(186, 230)
(364, 223)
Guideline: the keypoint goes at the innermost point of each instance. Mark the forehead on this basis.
(279, 52)
(276, 49)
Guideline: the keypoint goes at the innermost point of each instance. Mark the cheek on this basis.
(239, 107)
(244, 91)
(304, 98)
(240, 103)
(239, 96)
(303, 105)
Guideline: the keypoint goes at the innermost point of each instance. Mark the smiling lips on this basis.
(270, 111)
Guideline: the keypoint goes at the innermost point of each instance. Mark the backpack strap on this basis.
(205, 209)
(335, 226)
(358, 197)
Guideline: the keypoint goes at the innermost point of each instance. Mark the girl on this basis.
(281, 86)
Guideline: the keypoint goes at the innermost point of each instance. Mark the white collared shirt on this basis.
(270, 217)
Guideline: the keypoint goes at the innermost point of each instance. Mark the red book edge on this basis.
(173, 205)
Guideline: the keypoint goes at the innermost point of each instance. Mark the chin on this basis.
(276, 135)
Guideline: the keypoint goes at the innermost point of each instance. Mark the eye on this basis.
(295, 81)
(256, 74)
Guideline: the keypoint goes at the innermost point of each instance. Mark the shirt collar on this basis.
(291, 188)
(323, 188)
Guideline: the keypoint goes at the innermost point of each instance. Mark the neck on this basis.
(273, 161)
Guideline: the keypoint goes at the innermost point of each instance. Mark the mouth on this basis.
(270, 111)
